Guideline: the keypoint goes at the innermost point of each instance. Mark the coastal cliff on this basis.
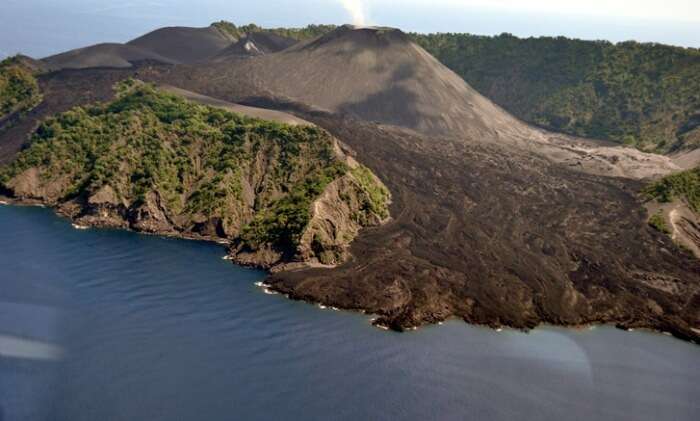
(153, 162)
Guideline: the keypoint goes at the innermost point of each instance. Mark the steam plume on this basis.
(356, 9)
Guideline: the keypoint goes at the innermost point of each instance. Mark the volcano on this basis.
(380, 75)
(374, 74)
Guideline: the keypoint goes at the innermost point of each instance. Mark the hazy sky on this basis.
(43, 27)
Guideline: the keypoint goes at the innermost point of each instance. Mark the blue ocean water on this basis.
(110, 325)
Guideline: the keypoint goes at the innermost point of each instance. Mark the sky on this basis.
(43, 27)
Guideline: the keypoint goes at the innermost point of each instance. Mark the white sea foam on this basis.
(269, 291)
(2, 202)
(322, 307)
(227, 257)
(259, 284)
(80, 227)
(499, 330)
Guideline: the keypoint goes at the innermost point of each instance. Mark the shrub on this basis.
(658, 222)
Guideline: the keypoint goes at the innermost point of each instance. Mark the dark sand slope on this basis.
(255, 112)
(378, 74)
(102, 55)
(498, 237)
(374, 74)
(183, 44)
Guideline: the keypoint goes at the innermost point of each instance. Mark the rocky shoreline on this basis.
(385, 320)
(248, 260)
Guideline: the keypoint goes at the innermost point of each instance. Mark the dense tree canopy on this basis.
(19, 90)
(645, 95)
(196, 158)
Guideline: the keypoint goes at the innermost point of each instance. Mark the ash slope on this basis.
(165, 45)
(184, 44)
(103, 55)
(378, 74)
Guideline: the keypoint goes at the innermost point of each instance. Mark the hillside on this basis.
(19, 90)
(254, 44)
(673, 203)
(184, 44)
(645, 95)
(684, 185)
(380, 75)
(103, 55)
(152, 162)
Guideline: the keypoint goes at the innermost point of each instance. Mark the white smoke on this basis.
(356, 9)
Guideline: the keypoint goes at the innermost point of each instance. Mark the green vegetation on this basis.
(684, 185)
(284, 223)
(644, 95)
(308, 32)
(378, 195)
(658, 222)
(19, 90)
(196, 158)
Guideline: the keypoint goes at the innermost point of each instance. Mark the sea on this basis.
(113, 325)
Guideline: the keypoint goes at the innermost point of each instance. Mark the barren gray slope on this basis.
(378, 74)
(184, 44)
(102, 55)
(255, 112)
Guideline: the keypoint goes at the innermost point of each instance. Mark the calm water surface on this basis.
(109, 325)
